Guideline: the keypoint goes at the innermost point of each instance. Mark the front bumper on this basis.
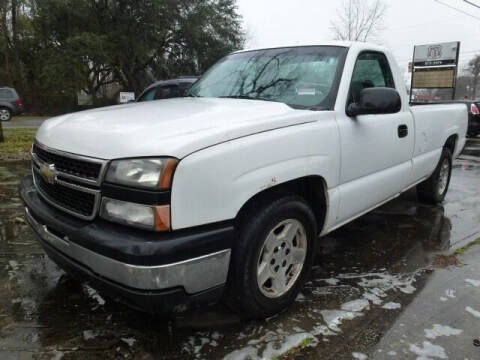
(147, 270)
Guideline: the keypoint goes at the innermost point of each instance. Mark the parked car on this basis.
(473, 118)
(10, 103)
(166, 89)
(225, 193)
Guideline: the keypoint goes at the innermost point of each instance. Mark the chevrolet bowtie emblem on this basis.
(48, 173)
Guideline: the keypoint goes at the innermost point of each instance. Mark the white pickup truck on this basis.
(173, 203)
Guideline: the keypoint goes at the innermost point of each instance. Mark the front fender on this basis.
(213, 184)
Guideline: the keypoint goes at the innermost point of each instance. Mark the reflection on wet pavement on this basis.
(366, 275)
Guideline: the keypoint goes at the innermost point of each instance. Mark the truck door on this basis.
(376, 150)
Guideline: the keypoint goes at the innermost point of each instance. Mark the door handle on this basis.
(402, 131)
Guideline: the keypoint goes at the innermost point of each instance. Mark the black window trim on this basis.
(353, 72)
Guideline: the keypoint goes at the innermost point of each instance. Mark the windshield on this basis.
(301, 77)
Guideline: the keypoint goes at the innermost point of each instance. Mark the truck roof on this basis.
(345, 44)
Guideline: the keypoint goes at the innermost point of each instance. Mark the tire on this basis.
(434, 189)
(246, 294)
(5, 114)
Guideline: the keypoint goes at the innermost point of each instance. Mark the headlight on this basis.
(151, 174)
(138, 215)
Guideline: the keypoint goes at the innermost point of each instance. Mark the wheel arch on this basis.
(313, 189)
(451, 143)
(8, 107)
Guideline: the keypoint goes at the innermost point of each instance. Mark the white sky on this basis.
(408, 22)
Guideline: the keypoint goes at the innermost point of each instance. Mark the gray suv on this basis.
(10, 103)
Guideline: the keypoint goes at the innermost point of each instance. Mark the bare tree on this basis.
(358, 20)
(474, 69)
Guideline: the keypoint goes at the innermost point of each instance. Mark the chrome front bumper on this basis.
(194, 275)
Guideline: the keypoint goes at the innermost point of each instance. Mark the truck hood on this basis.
(173, 127)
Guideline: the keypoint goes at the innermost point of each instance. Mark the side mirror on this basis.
(376, 101)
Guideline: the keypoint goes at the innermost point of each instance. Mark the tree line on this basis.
(52, 49)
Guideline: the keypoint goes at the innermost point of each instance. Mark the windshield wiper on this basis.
(245, 97)
(238, 97)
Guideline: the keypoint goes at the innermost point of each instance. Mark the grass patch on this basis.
(464, 249)
(17, 144)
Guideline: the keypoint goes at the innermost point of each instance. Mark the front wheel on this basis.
(434, 189)
(5, 114)
(272, 257)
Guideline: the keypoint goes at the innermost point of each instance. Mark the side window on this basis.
(148, 96)
(167, 92)
(371, 70)
(6, 94)
(183, 88)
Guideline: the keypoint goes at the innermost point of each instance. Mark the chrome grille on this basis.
(67, 181)
(70, 165)
(76, 167)
(67, 198)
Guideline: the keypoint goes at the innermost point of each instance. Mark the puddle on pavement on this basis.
(365, 274)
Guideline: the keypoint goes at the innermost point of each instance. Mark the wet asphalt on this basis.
(383, 287)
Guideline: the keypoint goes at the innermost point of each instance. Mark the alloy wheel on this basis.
(443, 176)
(4, 115)
(281, 258)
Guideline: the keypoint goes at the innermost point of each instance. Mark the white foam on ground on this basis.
(441, 330)
(13, 264)
(384, 282)
(89, 334)
(450, 293)
(443, 298)
(93, 294)
(57, 356)
(372, 297)
(265, 342)
(392, 353)
(300, 297)
(322, 330)
(248, 352)
(290, 342)
(475, 283)
(356, 305)
(332, 281)
(473, 311)
(392, 306)
(428, 351)
(334, 318)
(129, 341)
(359, 356)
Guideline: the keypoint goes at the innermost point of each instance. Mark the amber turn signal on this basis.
(162, 218)
(166, 178)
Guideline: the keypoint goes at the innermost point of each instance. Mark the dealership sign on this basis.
(435, 66)
(436, 54)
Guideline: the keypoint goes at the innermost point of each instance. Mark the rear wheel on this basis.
(434, 189)
(5, 114)
(272, 257)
